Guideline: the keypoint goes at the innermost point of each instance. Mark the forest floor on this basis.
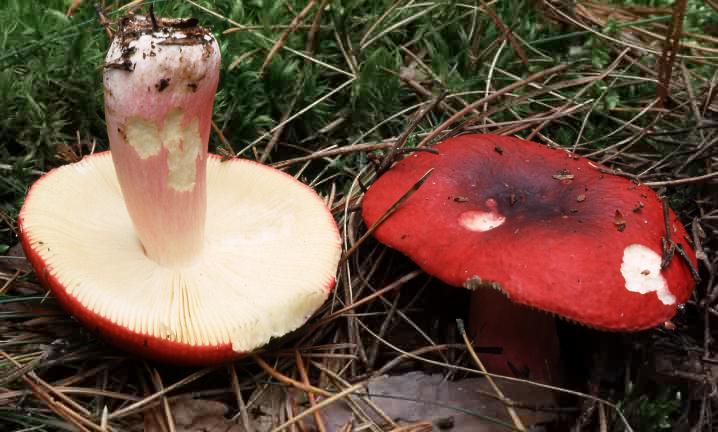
(324, 89)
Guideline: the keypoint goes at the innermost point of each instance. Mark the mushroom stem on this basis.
(527, 337)
(159, 82)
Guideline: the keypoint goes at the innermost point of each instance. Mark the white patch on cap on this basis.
(641, 269)
(482, 221)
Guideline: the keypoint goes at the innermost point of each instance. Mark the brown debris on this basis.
(563, 174)
(619, 221)
(163, 84)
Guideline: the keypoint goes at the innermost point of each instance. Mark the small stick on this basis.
(339, 382)
(390, 287)
(104, 22)
(388, 320)
(694, 271)
(353, 148)
(289, 381)
(227, 151)
(495, 95)
(153, 18)
(139, 405)
(58, 407)
(682, 181)
(383, 217)
(390, 156)
(669, 247)
(166, 409)
(328, 401)
(285, 34)
(670, 46)
(240, 400)
(507, 402)
(314, 30)
(508, 33)
(312, 399)
(282, 124)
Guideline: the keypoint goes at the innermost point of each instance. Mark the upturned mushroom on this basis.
(531, 229)
(163, 249)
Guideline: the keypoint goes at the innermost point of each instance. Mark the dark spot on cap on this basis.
(499, 150)
(192, 86)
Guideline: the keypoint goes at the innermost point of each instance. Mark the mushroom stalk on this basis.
(160, 79)
(526, 337)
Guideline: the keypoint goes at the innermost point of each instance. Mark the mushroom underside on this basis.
(267, 263)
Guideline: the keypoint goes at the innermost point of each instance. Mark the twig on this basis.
(312, 399)
(157, 382)
(339, 382)
(104, 22)
(285, 34)
(151, 398)
(668, 245)
(390, 156)
(268, 39)
(286, 380)
(315, 27)
(508, 404)
(670, 46)
(60, 409)
(390, 287)
(386, 214)
(535, 77)
(694, 271)
(339, 151)
(155, 27)
(682, 181)
(507, 32)
(226, 151)
(383, 16)
(328, 401)
(240, 400)
(282, 124)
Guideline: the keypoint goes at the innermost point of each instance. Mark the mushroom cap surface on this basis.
(269, 260)
(550, 229)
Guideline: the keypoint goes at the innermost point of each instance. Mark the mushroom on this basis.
(548, 230)
(165, 250)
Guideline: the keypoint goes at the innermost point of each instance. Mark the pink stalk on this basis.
(160, 79)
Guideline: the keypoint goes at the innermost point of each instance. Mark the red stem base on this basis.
(527, 337)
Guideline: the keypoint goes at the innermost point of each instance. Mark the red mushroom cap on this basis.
(549, 228)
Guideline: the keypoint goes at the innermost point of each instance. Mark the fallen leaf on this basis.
(192, 415)
(415, 397)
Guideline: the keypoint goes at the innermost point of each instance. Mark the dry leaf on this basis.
(442, 402)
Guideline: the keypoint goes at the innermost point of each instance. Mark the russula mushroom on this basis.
(165, 250)
(546, 229)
